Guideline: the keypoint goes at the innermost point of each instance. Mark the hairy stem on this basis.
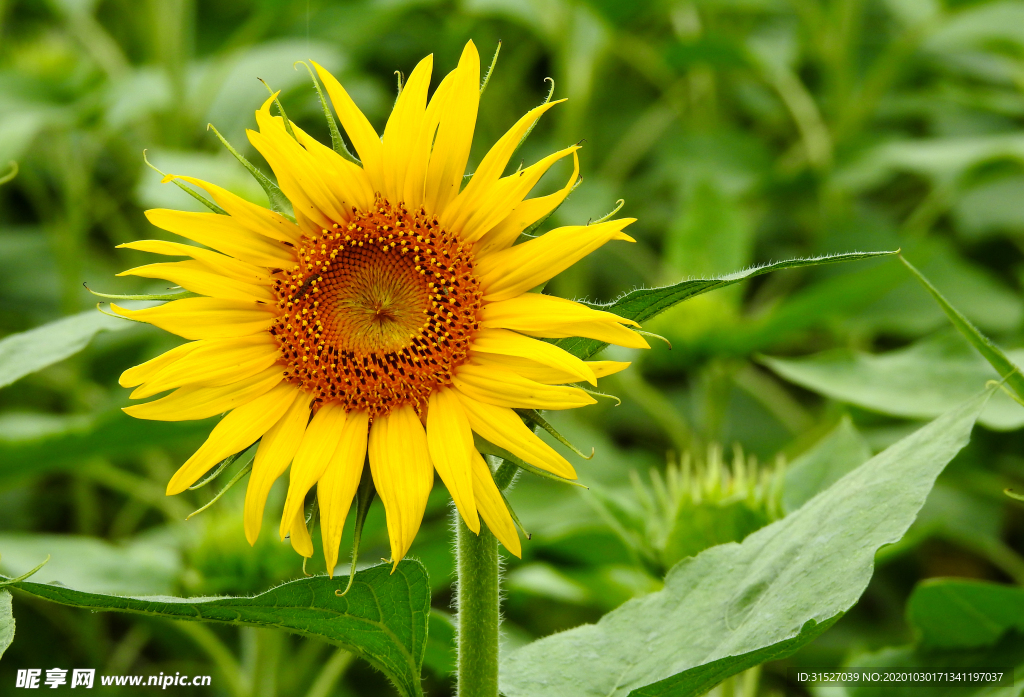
(477, 572)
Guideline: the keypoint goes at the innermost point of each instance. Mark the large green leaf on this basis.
(383, 618)
(6, 621)
(920, 381)
(27, 352)
(148, 565)
(643, 303)
(737, 603)
(839, 452)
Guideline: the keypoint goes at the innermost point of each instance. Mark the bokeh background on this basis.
(737, 131)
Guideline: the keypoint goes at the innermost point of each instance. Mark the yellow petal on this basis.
(338, 485)
(504, 388)
(204, 318)
(317, 448)
(530, 211)
(605, 368)
(145, 371)
(358, 128)
(490, 170)
(276, 450)
(450, 441)
(516, 270)
(225, 234)
(502, 342)
(504, 428)
(219, 263)
(252, 217)
(454, 133)
(235, 432)
(198, 278)
(492, 506)
(527, 368)
(420, 150)
(298, 534)
(555, 318)
(403, 127)
(189, 403)
(506, 194)
(347, 179)
(297, 174)
(402, 473)
(213, 363)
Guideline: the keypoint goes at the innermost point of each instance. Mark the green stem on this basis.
(477, 571)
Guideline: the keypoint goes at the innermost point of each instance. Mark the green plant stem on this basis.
(477, 573)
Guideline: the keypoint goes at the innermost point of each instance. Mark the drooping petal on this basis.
(298, 533)
(218, 263)
(492, 506)
(550, 317)
(358, 128)
(213, 363)
(338, 485)
(204, 318)
(450, 440)
(502, 342)
(527, 213)
(457, 121)
(198, 278)
(225, 234)
(318, 445)
(504, 428)
(516, 270)
(235, 432)
(403, 127)
(255, 218)
(276, 450)
(504, 388)
(402, 473)
(190, 403)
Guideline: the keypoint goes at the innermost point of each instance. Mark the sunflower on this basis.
(389, 322)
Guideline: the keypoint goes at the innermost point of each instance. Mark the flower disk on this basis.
(379, 311)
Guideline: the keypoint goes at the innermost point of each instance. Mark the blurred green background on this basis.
(737, 131)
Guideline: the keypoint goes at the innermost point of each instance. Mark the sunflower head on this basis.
(388, 321)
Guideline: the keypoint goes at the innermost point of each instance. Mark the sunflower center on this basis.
(378, 311)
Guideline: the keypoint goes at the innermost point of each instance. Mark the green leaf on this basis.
(958, 624)
(811, 566)
(6, 621)
(383, 619)
(147, 565)
(32, 444)
(919, 381)
(989, 351)
(643, 303)
(962, 614)
(27, 352)
(839, 452)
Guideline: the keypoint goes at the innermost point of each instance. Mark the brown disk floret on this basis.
(378, 311)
